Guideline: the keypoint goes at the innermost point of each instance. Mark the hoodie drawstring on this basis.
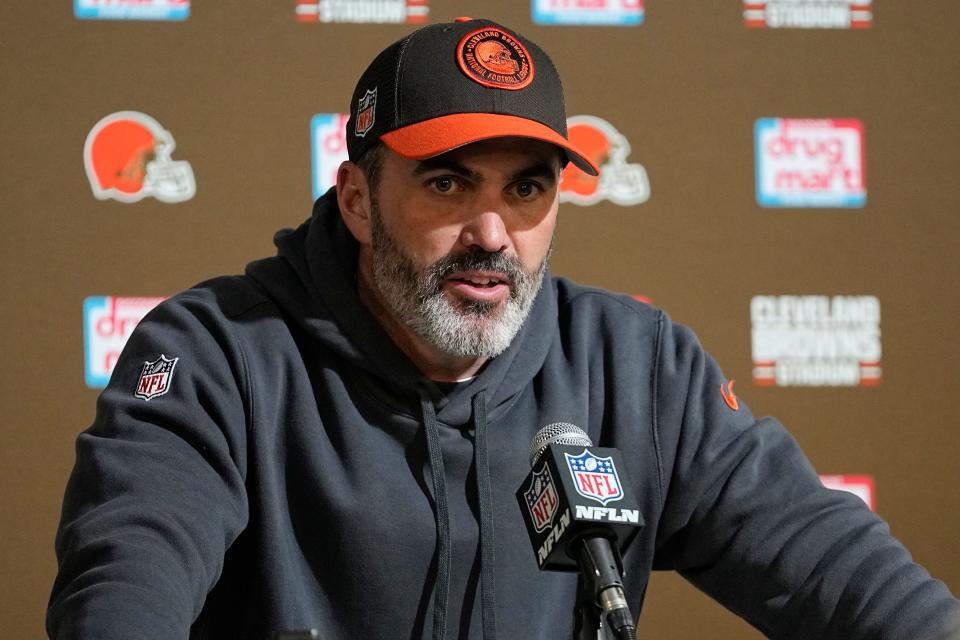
(485, 495)
(441, 594)
(485, 498)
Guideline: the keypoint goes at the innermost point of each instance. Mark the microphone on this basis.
(559, 500)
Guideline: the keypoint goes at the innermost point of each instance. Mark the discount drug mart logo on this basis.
(108, 322)
(592, 12)
(328, 148)
(816, 341)
(810, 163)
(131, 9)
(363, 11)
(808, 14)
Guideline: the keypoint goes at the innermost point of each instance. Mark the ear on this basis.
(353, 197)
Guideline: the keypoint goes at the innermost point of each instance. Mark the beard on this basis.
(459, 327)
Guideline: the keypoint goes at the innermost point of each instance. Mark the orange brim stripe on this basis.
(432, 137)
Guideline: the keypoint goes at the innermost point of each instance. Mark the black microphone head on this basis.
(557, 433)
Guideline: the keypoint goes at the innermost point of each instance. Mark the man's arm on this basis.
(747, 520)
(157, 493)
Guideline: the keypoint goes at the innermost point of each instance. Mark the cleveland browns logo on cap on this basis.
(494, 58)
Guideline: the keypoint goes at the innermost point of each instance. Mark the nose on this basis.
(486, 231)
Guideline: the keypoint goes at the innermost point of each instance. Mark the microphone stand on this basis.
(587, 619)
(602, 611)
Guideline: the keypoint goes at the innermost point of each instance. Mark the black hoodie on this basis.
(299, 472)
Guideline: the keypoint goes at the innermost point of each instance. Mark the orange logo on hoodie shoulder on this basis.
(494, 58)
(729, 397)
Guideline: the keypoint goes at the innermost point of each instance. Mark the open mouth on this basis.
(489, 287)
(484, 282)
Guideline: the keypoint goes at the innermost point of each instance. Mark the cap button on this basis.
(463, 19)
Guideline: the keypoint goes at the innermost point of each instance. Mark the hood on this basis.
(313, 281)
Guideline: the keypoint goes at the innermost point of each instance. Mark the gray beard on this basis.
(463, 328)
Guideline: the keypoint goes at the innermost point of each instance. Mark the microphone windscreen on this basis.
(557, 433)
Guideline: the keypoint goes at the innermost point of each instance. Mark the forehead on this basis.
(510, 153)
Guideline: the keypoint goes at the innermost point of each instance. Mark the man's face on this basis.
(460, 242)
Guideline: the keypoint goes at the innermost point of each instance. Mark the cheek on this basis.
(533, 244)
(425, 244)
(412, 230)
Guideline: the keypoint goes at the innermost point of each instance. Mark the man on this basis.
(333, 440)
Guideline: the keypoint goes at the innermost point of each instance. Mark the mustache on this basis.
(477, 260)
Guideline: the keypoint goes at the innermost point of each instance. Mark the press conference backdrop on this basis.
(779, 174)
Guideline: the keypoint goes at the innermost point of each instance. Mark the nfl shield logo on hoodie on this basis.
(155, 377)
(595, 477)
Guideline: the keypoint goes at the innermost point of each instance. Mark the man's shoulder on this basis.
(618, 316)
(225, 297)
(575, 299)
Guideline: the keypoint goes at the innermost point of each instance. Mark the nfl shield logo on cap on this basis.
(366, 112)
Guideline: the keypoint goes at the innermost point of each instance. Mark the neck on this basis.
(433, 363)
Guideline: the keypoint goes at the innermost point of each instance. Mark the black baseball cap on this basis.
(448, 85)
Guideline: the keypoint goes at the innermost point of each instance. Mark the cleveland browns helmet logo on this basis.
(127, 158)
(621, 182)
(494, 58)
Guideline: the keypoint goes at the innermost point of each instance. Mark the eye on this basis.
(527, 189)
(443, 184)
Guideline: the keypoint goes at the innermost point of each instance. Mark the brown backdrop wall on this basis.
(237, 84)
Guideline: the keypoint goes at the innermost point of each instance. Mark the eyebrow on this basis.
(541, 170)
(538, 169)
(445, 164)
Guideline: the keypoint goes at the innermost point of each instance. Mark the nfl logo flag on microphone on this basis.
(541, 499)
(595, 477)
(560, 496)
